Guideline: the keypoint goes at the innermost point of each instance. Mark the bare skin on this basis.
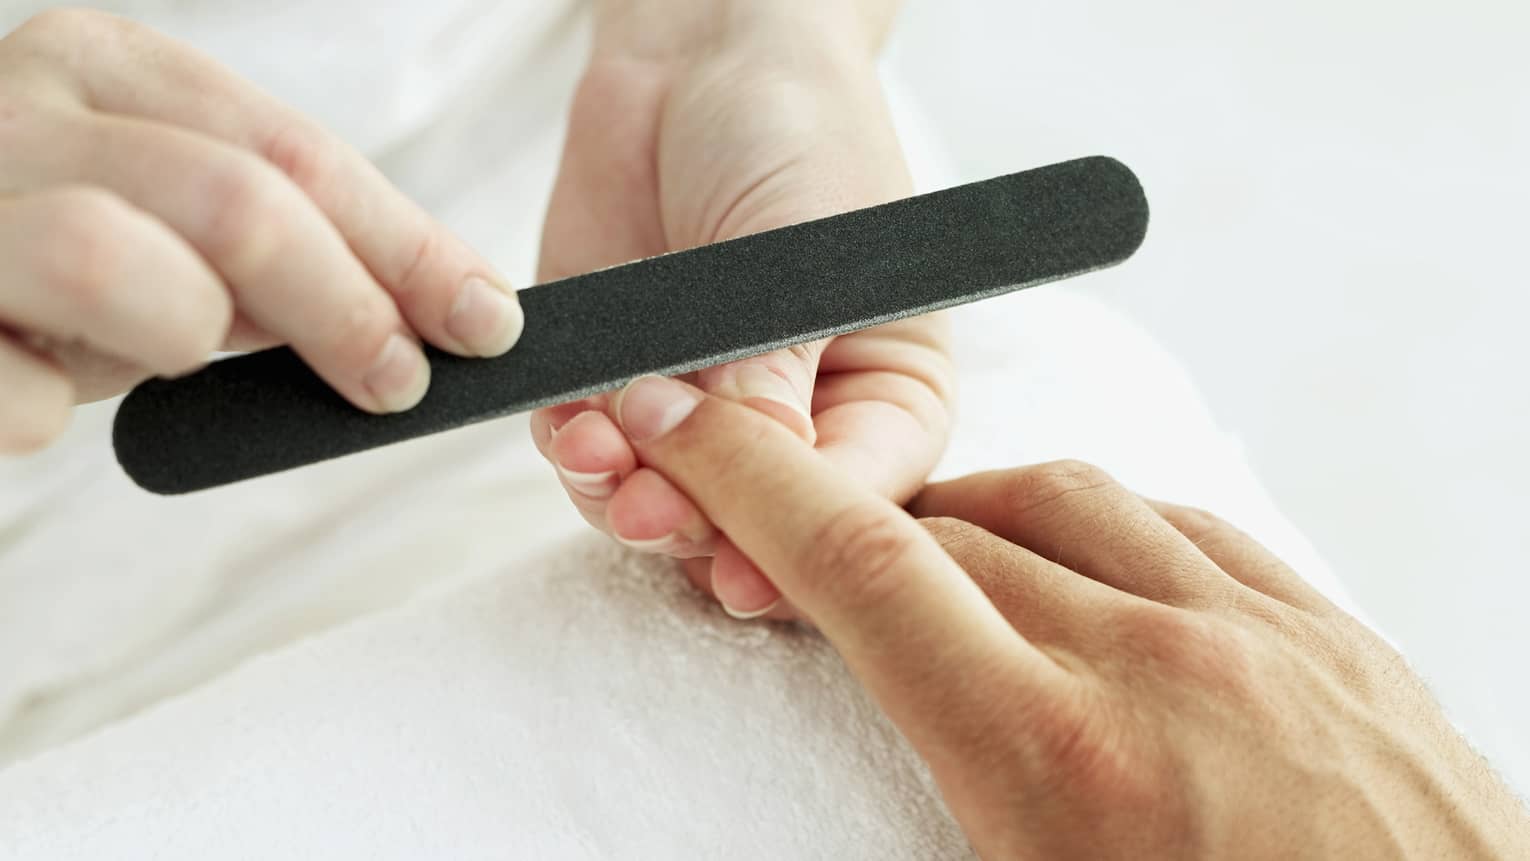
(1090, 674)
(699, 122)
(154, 207)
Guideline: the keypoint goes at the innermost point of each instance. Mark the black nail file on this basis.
(266, 412)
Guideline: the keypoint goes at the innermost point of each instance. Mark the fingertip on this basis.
(398, 377)
(545, 423)
(650, 407)
(200, 326)
(648, 513)
(591, 450)
(742, 589)
(485, 318)
(593, 485)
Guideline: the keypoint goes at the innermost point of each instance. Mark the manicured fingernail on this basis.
(399, 375)
(596, 485)
(746, 615)
(757, 381)
(485, 318)
(651, 407)
(662, 544)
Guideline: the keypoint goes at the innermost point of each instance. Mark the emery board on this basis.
(265, 412)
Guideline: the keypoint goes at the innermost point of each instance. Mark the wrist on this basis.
(805, 34)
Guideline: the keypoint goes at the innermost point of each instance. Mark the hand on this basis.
(669, 149)
(1087, 673)
(155, 208)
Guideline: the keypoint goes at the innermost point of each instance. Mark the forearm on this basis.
(786, 29)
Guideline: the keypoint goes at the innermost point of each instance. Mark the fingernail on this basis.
(651, 407)
(757, 381)
(485, 318)
(399, 375)
(662, 544)
(746, 615)
(596, 485)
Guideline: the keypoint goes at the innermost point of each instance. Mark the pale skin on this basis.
(698, 122)
(151, 216)
(1087, 673)
(1091, 674)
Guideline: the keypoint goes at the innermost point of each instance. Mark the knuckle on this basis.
(317, 164)
(81, 252)
(1227, 663)
(418, 259)
(1156, 631)
(1198, 524)
(1209, 652)
(305, 156)
(862, 553)
(1039, 487)
(246, 220)
(357, 331)
(87, 254)
(1256, 607)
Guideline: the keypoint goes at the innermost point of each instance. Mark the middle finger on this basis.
(289, 269)
(1077, 516)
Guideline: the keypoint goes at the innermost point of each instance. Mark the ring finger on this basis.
(288, 267)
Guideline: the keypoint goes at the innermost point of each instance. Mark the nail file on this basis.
(266, 412)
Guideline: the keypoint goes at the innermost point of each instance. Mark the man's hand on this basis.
(155, 208)
(1090, 674)
(706, 122)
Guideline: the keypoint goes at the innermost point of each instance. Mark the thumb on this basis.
(778, 383)
(815, 185)
(907, 619)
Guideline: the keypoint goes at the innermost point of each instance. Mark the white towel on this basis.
(555, 696)
(587, 703)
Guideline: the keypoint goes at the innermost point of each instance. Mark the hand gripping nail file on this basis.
(266, 412)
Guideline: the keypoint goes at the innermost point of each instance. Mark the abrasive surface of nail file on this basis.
(266, 412)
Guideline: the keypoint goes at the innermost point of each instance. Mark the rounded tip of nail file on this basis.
(266, 412)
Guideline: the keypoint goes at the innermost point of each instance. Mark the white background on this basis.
(1338, 246)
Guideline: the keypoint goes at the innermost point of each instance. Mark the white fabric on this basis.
(111, 598)
(584, 702)
(556, 697)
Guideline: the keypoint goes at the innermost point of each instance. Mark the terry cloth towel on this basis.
(586, 703)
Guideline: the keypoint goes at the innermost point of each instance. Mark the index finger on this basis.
(447, 292)
(911, 624)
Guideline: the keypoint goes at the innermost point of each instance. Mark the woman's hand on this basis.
(155, 208)
(1090, 674)
(686, 132)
